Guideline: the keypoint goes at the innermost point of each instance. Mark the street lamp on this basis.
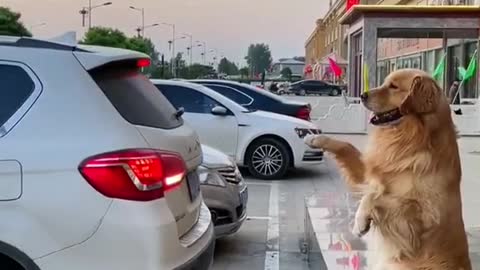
(204, 45)
(190, 49)
(88, 11)
(142, 10)
(172, 25)
(215, 52)
(141, 28)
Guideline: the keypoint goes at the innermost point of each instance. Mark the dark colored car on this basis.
(316, 87)
(253, 98)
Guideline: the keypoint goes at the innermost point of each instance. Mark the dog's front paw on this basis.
(315, 141)
(361, 226)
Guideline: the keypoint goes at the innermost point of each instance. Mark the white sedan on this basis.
(267, 143)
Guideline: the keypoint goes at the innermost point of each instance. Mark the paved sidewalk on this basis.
(329, 215)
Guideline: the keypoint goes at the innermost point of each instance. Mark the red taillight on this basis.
(303, 113)
(144, 62)
(134, 174)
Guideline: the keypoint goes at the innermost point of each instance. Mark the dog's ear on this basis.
(423, 96)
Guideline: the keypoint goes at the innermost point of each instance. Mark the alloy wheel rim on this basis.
(267, 159)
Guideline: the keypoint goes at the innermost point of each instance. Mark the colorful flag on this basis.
(351, 3)
(334, 67)
(440, 68)
(461, 72)
(472, 66)
(365, 78)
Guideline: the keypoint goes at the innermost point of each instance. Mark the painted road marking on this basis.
(272, 255)
(258, 218)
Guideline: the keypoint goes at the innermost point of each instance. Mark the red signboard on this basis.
(351, 3)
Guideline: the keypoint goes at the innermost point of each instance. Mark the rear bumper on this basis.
(139, 235)
(203, 261)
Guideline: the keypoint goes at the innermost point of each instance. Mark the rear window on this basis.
(136, 98)
(231, 93)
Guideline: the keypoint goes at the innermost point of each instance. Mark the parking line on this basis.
(257, 183)
(258, 218)
(272, 255)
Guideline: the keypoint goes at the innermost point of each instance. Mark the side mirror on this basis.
(219, 110)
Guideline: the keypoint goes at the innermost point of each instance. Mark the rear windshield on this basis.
(136, 98)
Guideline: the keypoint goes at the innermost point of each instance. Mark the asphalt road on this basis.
(261, 238)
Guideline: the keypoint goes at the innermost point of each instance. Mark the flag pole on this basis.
(462, 82)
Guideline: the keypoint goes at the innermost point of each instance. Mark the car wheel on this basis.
(302, 92)
(334, 92)
(281, 92)
(268, 159)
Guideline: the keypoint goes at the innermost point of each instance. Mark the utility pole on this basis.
(89, 14)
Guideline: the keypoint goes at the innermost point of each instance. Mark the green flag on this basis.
(461, 72)
(440, 68)
(472, 66)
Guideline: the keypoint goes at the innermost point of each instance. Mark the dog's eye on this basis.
(393, 86)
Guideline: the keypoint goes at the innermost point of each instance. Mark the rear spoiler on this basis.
(97, 56)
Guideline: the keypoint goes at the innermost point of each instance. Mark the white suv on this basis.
(97, 171)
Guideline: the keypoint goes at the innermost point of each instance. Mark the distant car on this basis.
(267, 143)
(316, 87)
(251, 97)
(96, 172)
(223, 190)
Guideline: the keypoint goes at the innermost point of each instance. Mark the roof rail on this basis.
(26, 42)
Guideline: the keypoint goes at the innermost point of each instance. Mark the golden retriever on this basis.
(409, 176)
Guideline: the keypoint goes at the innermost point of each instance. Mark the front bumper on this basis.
(229, 229)
(226, 204)
(312, 156)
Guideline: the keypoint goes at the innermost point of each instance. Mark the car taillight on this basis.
(143, 63)
(134, 174)
(303, 113)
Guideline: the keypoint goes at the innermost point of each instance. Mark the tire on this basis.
(334, 92)
(260, 162)
(302, 92)
(281, 92)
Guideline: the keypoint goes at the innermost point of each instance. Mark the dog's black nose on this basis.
(364, 96)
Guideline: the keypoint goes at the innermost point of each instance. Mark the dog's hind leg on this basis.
(348, 157)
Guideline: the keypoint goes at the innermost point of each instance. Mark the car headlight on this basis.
(209, 177)
(302, 132)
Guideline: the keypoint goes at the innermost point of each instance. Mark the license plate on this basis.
(193, 185)
(244, 197)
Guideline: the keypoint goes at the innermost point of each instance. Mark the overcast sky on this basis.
(226, 25)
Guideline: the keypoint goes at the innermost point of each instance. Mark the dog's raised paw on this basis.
(315, 141)
(361, 227)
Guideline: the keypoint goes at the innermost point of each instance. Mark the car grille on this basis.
(230, 174)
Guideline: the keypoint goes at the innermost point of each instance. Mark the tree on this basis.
(144, 45)
(227, 67)
(244, 72)
(110, 37)
(286, 73)
(259, 57)
(10, 24)
(104, 36)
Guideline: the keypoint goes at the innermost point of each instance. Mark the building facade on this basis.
(329, 37)
(426, 54)
(315, 44)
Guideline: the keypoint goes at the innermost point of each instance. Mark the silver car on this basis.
(224, 191)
